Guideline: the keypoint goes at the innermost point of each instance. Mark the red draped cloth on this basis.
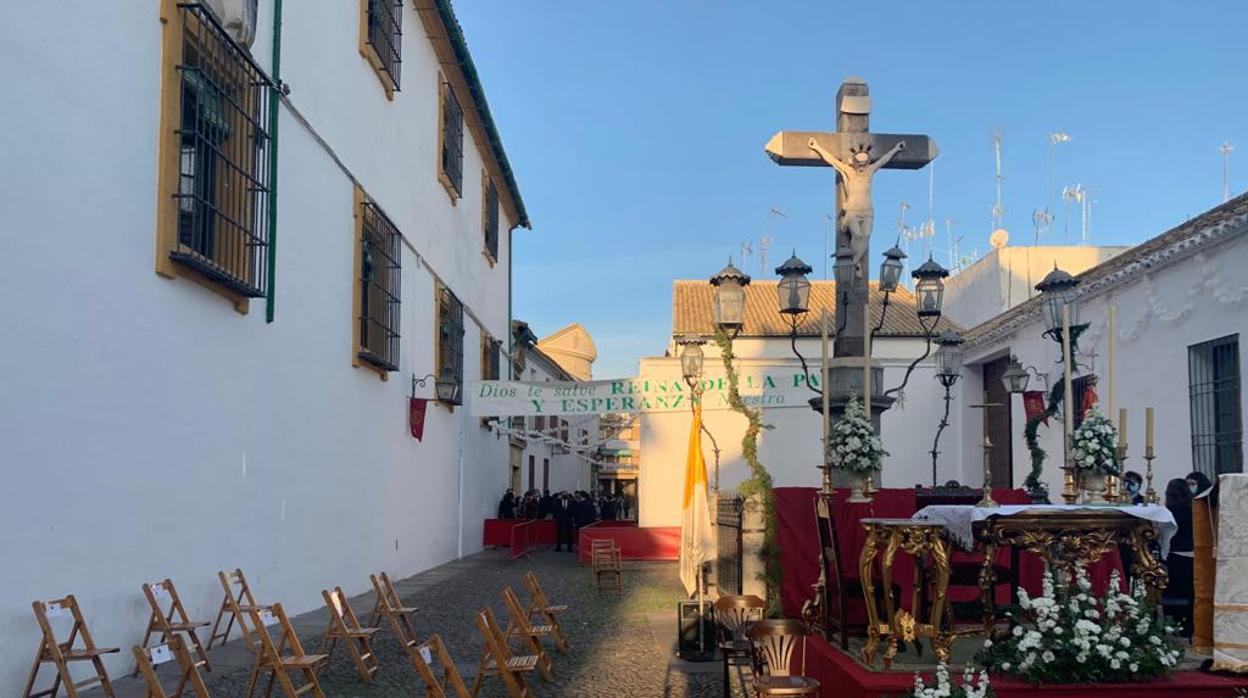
(799, 544)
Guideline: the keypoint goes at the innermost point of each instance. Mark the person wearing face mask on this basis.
(1179, 595)
(1198, 483)
(1134, 482)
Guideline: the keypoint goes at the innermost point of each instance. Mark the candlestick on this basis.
(1069, 493)
(1148, 430)
(987, 500)
(1122, 426)
(1150, 494)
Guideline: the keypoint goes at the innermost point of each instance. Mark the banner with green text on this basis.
(772, 389)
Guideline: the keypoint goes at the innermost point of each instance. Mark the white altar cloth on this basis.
(960, 520)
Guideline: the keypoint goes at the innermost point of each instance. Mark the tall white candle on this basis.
(823, 374)
(1068, 398)
(1113, 368)
(866, 361)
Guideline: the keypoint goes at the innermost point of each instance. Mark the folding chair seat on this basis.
(239, 605)
(607, 564)
(175, 620)
(282, 658)
(423, 658)
(60, 654)
(540, 607)
(390, 607)
(530, 634)
(499, 660)
(148, 658)
(345, 626)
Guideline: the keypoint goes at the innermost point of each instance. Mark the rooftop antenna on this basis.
(929, 228)
(953, 244)
(998, 209)
(765, 242)
(747, 249)
(1226, 149)
(904, 235)
(1072, 193)
(1044, 218)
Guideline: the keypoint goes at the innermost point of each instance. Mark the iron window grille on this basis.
(1214, 394)
(380, 270)
(491, 220)
(451, 338)
(385, 34)
(1079, 386)
(223, 162)
(491, 364)
(452, 139)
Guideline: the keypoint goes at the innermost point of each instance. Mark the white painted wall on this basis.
(567, 470)
(1006, 277)
(149, 430)
(1199, 298)
(791, 450)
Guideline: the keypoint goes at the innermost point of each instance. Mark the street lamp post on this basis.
(1058, 289)
(691, 362)
(929, 291)
(728, 304)
(948, 371)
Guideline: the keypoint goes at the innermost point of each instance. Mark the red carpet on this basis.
(842, 677)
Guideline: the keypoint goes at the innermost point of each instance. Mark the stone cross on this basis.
(856, 154)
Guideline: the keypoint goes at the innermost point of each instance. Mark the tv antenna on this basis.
(747, 249)
(1226, 149)
(1072, 193)
(765, 242)
(998, 209)
(953, 244)
(1043, 218)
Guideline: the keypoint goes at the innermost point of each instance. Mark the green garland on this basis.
(759, 482)
(1030, 431)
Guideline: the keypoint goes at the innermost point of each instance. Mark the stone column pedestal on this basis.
(845, 382)
(753, 550)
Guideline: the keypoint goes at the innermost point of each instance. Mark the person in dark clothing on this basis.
(1134, 482)
(1198, 483)
(507, 506)
(565, 520)
(1179, 595)
(545, 505)
(585, 512)
(608, 509)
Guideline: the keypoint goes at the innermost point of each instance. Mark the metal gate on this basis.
(728, 558)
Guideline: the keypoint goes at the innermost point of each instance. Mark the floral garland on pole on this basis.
(1039, 491)
(760, 481)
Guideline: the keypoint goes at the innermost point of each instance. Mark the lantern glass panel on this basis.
(794, 294)
(890, 274)
(728, 309)
(1015, 378)
(691, 361)
(844, 270)
(929, 293)
(949, 360)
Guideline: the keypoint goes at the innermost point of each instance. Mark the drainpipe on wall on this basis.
(274, 100)
(511, 366)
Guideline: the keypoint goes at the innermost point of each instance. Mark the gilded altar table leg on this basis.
(941, 638)
(890, 608)
(1146, 567)
(916, 596)
(988, 587)
(865, 562)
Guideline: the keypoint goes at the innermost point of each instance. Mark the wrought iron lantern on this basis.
(691, 357)
(1015, 377)
(1057, 289)
(843, 270)
(448, 387)
(948, 358)
(890, 269)
(793, 289)
(728, 305)
(929, 288)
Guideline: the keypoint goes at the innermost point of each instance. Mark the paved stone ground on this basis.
(622, 644)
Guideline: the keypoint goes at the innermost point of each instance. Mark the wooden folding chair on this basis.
(60, 654)
(345, 626)
(423, 658)
(148, 658)
(273, 659)
(498, 658)
(390, 607)
(532, 634)
(238, 604)
(544, 610)
(175, 620)
(607, 564)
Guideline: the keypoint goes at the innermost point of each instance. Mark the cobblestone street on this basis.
(621, 644)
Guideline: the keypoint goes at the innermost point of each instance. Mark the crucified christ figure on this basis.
(857, 214)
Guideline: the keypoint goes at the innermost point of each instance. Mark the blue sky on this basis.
(636, 131)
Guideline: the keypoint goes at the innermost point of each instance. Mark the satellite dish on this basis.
(999, 238)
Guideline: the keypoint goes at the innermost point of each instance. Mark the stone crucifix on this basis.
(856, 155)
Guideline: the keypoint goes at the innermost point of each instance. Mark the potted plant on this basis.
(1094, 455)
(855, 448)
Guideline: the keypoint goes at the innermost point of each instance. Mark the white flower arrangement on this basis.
(853, 444)
(1071, 636)
(1093, 445)
(972, 686)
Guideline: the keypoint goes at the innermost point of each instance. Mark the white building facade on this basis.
(1181, 322)
(155, 425)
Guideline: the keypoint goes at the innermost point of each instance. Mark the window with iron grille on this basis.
(1080, 387)
(382, 35)
(221, 193)
(1214, 394)
(490, 215)
(380, 256)
(491, 352)
(450, 337)
(451, 170)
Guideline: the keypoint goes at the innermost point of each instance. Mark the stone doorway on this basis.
(999, 431)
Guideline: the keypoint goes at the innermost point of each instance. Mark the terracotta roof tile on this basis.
(691, 310)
